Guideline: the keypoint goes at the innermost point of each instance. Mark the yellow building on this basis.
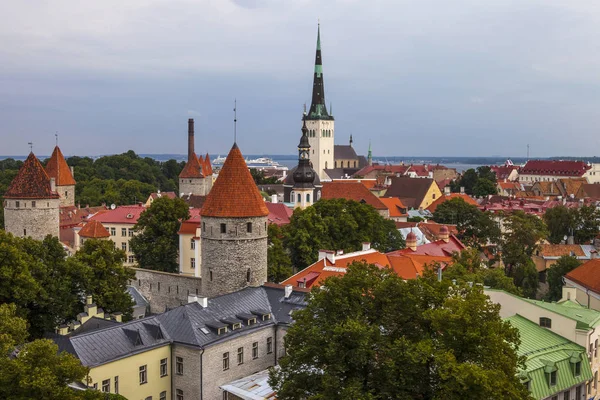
(415, 193)
(189, 245)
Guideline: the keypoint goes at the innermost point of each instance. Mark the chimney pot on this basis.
(366, 246)
(288, 291)
(52, 184)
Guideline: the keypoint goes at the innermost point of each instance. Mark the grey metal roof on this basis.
(190, 324)
(344, 152)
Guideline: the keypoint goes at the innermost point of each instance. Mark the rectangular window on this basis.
(131, 259)
(130, 232)
(116, 384)
(106, 386)
(113, 231)
(33, 204)
(192, 244)
(193, 262)
(566, 395)
(240, 355)
(545, 322)
(269, 345)
(163, 367)
(249, 227)
(124, 246)
(578, 368)
(223, 228)
(254, 350)
(179, 394)
(578, 393)
(179, 365)
(17, 204)
(553, 378)
(225, 361)
(123, 232)
(143, 375)
(163, 395)
(595, 379)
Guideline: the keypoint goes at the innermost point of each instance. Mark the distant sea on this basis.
(291, 160)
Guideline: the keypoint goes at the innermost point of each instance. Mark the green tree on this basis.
(555, 274)
(337, 224)
(106, 277)
(372, 335)
(477, 182)
(279, 265)
(587, 224)
(484, 187)
(156, 246)
(560, 221)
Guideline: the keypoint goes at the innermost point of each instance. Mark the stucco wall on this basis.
(118, 239)
(163, 289)
(186, 253)
(321, 147)
(37, 222)
(227, 257)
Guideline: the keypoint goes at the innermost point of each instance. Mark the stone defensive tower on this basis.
(31, 202)
(58, 169)
(193, 179)
(234, 231)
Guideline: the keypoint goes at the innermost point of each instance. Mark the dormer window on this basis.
(577, 368)
(552, 380)
(236, 326)
(266, 317)
(251, 321)
(222, 330)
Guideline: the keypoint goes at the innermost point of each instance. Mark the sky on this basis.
(416, 78)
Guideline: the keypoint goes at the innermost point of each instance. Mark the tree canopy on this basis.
(372, 335)
(279, 265)
(583, 223)
(156, 244)
(337, 224)
(554, 276)
(476, 182)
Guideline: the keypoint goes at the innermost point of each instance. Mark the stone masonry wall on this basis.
(195, 186)
(189, 381)
(67, 195)
(228, 257)
(27, 220)
(163, 289)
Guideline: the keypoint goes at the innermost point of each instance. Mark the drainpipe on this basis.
(275, 345)
(201, 386)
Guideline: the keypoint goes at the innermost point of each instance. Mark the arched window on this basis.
(299, 198)
(318, 195)
(248, 275)
(308, 197)
(325, 164)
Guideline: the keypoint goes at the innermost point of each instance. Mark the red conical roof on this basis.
(192, 168)
(58, 169)
(31, 182)
(208, 170)
(234, 193)
(94, 230)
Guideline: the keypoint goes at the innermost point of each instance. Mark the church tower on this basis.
(31, 202)
(58, 169)
(319, 122)
(192, 179)
(234, 231)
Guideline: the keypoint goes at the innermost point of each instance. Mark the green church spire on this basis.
(318, 110)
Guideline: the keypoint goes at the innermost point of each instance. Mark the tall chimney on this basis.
(191, 152)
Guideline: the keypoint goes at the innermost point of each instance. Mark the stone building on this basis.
(234, 231)
(31, 202)
(58, 169)
(302, 186)
(196, 176)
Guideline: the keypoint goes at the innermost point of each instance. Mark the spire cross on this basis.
(235, 120)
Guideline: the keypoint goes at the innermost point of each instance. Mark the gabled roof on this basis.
(189, 226)
(395, 206)
(207, 167)
(351, 191)
(58, 169)
(94, 230)
(558, 250)
(388, 169)
(157, 195)
(503, 171)
(31, 182)
(192, 168)
(468, 199)
(409, 266)
(279, 213)
(587, 275)
(344, 152)
(438, 248)
(554, 167)
(234, 193)
(120, 215)
(194, 200)
(410, 190)
(590, 190)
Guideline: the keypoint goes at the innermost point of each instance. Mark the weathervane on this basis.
(234, 120)
(30, 146)
(56, 137)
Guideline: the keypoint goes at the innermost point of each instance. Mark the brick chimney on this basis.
(191, 152)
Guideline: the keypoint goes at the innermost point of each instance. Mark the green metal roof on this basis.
(546, 352)
(585, 317)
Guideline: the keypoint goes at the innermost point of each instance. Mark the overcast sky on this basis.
(417, 78)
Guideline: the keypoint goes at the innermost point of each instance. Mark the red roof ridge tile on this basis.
(31, 182)
(94, 229)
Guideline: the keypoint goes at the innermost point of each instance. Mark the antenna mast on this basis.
(528, 151)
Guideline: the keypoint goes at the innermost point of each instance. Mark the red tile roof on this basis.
(394, 204)
(94, 229)
(391, 169)
(234, 193)
(503, 171)
(433, 206)
(71, 216)
(554, 167)
(279, 213)
(58, 169)
(207, 168)
(120, 215)
(587, 275)
(192, 168)
(189, 226)
(351, 191)
(31, 182)
(438, 248)
(170, 195)
(409, 266)
(558, 250)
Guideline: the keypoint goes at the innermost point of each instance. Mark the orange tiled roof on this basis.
(31, 182)
(450, 196)
(409, 266)
(395, 206)
(58, 169)
(192, 168)
(208, 166)
(94, 229)
(234, 193)
(587, 275)
(351, 191)
(558, 250)
(189, 226)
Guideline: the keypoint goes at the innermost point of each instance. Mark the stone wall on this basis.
(67, 195)
(198, 186)
(163, 289)
(235, 259)
(35, 218)
(189, 381)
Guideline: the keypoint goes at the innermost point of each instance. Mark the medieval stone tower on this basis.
(31, 202)
(319, 122)
(234, 231)
(58, 169)
(196, 176)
